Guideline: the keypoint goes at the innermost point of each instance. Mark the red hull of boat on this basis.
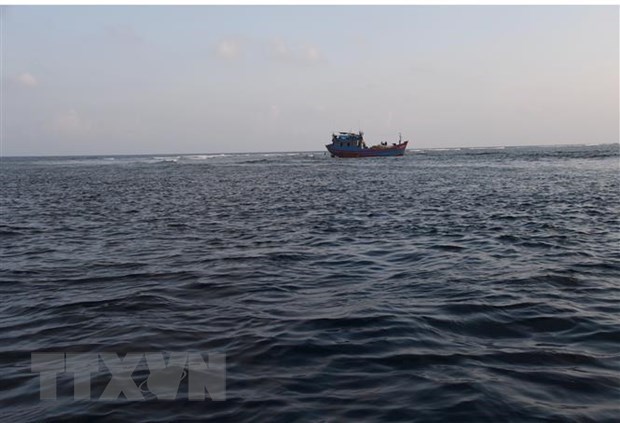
(392, 151)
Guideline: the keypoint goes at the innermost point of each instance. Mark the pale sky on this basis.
(207, 79)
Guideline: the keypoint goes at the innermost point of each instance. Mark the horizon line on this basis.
(309, 151)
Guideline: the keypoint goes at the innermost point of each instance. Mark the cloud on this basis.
(306, 54)
(228, 49)
(280, 50)
(277, 49)
(312, 54)
(26, 79)
(360, 41)
(70, 122)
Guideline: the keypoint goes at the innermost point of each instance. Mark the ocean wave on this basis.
(459, 285)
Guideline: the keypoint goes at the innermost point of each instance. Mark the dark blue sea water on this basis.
(458, 285)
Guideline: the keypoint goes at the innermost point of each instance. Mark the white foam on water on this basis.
(166, 159)
(204, 156)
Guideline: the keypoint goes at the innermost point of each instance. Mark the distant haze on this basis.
(200, 79)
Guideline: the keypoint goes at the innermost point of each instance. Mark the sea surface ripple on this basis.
(456, 285)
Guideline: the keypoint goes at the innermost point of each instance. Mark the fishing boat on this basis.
(351, 144)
